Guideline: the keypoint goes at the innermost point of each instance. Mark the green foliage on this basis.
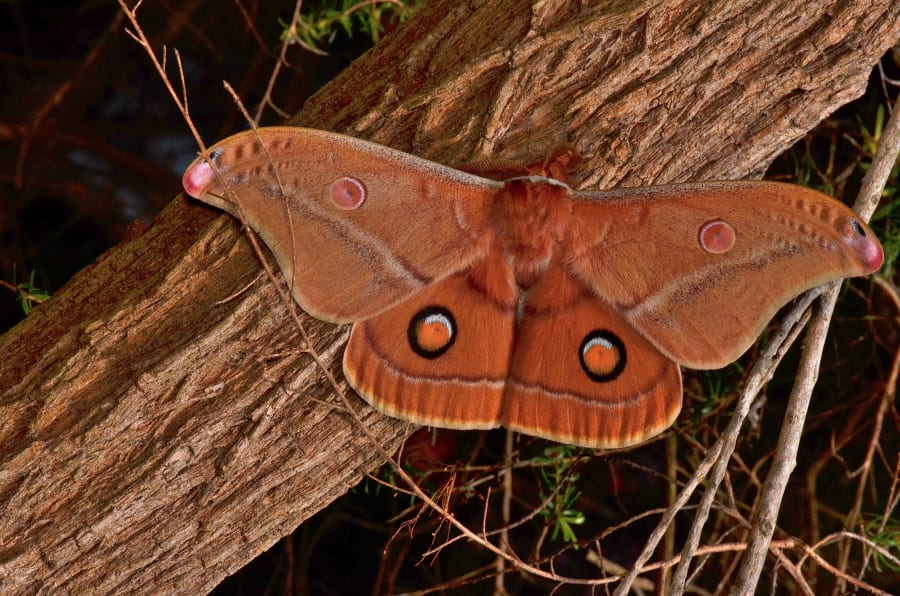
(807, 173)
(27, 293)
(871, 139)
(714, 389)
(559, 489)
(885, 533)
(315, 30)
(717, 386)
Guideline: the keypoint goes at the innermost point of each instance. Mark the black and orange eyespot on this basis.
(348, 193)
(431, 332)
(602, 355)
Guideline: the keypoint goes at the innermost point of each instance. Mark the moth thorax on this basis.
(530, 216)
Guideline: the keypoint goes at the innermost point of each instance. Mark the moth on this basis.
(555, 312)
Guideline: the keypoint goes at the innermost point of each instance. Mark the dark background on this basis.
(90, 140)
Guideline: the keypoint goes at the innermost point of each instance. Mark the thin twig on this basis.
(281, 61)
(889, 392)
(812, 552)
(57, 98)
(761, 373)
(505, 509)
(788, 442)
(719, 454)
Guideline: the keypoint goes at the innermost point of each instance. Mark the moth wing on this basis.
(581, 374)
(661, 257)
(355, 227)
(440, 358)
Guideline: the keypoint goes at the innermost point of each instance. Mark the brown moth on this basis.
(556, 312)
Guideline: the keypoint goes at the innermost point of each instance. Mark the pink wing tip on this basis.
(197, 178)
(873, 255)
(864, 245)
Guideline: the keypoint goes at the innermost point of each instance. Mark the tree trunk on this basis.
(160, 424)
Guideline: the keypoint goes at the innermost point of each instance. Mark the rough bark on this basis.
(156, 435)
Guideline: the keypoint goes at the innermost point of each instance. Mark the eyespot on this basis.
(716, 237)
(348, 193)
(431, 332)
(602, 355)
